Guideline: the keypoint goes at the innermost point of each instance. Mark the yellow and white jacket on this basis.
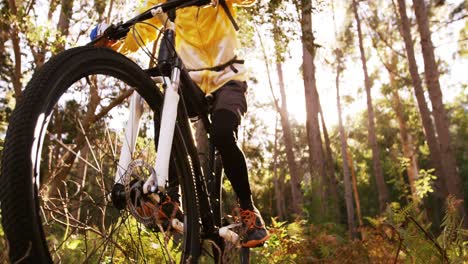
(205, 37)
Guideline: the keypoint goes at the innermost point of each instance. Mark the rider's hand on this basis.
(97, 31)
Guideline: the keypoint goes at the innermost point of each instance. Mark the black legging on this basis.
(225, 126)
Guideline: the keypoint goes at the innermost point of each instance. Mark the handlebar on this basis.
(116, 32)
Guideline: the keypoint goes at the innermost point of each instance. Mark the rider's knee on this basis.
(225, 125)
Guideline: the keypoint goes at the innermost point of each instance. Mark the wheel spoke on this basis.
(89, 145)
(80, 207)
(87, 102)
(71, 150)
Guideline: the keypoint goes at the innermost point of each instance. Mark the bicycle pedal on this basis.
(229, 235)
(177, 225)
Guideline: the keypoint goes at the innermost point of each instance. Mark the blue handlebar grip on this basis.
(94, 33)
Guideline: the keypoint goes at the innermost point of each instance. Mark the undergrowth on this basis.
(400, 235)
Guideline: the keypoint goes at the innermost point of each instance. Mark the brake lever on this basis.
(116, 32)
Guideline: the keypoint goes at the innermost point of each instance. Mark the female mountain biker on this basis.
(206, 41)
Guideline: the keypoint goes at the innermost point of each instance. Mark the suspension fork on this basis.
(131, 133)
(160, 176)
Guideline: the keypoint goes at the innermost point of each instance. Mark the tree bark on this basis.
(316, 160)
(52, 7)
(55, 182)
(5, 69)
(377, 167)
(407, 143)
(66, 162)
(454, 183)
(63, 25)
(279, 195)
(344, 154)
(429, 132)
(357, 201)
(203, 146)
(287, 135)
(332, 182)
(14, 35)
(405, 136)
(109, 12)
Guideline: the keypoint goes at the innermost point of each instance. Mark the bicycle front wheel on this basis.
(60, 164)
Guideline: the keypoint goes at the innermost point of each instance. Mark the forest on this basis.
(356, 135)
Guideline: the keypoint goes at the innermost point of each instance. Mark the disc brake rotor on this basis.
(143, 207)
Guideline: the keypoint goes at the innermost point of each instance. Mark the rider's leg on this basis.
(230, 104)
(225, 124)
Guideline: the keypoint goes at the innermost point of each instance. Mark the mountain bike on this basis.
(97, 147)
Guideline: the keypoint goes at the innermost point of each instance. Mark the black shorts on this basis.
(231, 96)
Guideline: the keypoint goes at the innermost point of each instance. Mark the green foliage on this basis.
(404, 164)
(284, 245)
(275, 19)
(453, 237)
(463, 46)
(100, 6)
(6, 107)
(408, 228)
(3, 245)
(399, 236)
(458, 113)
(75, 249)
(300, 242)
(424, 183)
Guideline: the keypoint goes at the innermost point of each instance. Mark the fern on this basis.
(453, 235)
(375, 222)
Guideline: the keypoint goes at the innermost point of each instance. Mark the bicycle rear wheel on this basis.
(60, 160)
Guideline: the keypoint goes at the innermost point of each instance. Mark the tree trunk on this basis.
(357, 201)
(278, 192)
(407, 143)
(287, 135)
(203, 146)
(63, 25)
(405, 136)
(56, 181)
(4, 55)
(14, 35)
(344, 152)
(66, 162)
(332, 182)
(377, 167)
(454, 183)
(52, 7)
(316, 160)
(109, 12)
(429, 132)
